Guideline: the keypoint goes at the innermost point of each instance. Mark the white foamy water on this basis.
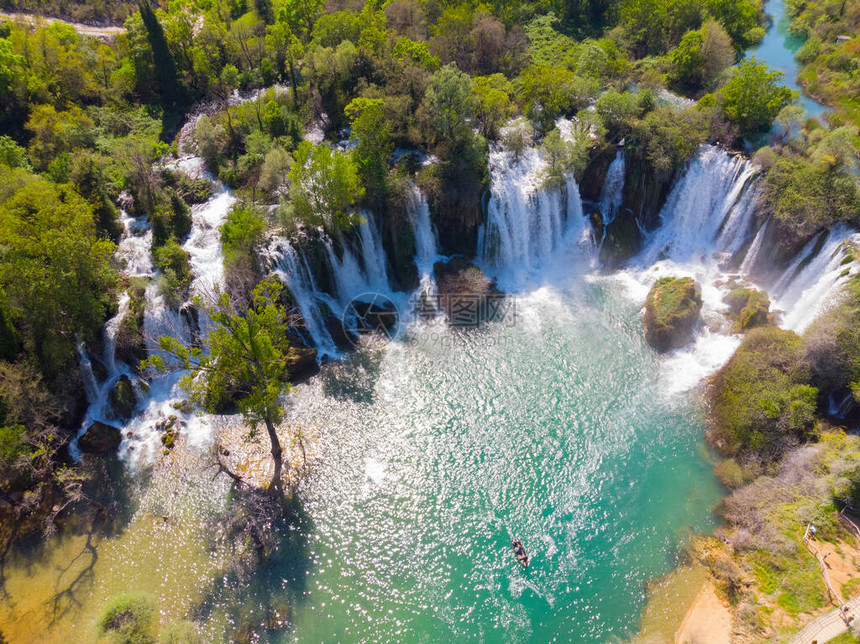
(815, 279)
(709, 210)
(528, 225)
(135, 246)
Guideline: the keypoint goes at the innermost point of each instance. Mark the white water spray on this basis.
(527, 223)
(813, 281)
(710, 209)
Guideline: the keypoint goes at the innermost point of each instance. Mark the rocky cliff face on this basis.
(645, 192)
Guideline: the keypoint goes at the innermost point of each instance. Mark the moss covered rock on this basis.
(748, 307)
(671, 311)
(122, 398)
(100, 438)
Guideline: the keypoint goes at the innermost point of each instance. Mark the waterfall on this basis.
(814, 279)
(426, 244)
(749, 263)
(204, 242)
(361, 268)
(292, 268)
(91, 385)
(612, 193)
(373, 256)
(109, 334)
(711, 208)
(135, 247)
(526, 223)
(353, 276)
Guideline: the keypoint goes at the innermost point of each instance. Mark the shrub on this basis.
(128, 619)
(172, 260)
(752, 98)
(762, 402)
(806, 198)
(242, 233)
(749, 307)
(667, 137)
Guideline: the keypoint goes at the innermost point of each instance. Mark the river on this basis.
(778, 48)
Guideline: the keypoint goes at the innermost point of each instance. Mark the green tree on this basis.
(563, 157)
(701, 57)
(372, 133)
(667, 137)
(789, 118)
(617, 110)
(57, 132)
(449, 105)
(740, 18)
(494, 106)
(12, 154)
(275, 173)
(806, 196)
(56, 278)
(551, 91)
(753, 98)
(241, 235)
(323, 185)
(415, 52)
(245, 356)
(172, 260)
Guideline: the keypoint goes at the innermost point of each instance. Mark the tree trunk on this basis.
(276, 487)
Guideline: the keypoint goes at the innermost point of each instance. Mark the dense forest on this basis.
(312, 112)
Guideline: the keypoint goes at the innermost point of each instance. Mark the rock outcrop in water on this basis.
(749, 307)
(122, 398)
(671, 312)
(465, 294)
(100, 438)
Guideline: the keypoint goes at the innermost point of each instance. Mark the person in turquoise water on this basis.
(520, 552)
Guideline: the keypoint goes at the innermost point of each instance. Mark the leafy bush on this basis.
(172, 260)
(667, 137)
(806, 197)
(241, 236)
(700, 58)
(128, 619)
(323, 185)
(762, 401)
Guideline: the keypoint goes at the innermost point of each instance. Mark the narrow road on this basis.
(103, 33)
(826, 627)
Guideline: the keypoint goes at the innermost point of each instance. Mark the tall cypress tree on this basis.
(172, 92)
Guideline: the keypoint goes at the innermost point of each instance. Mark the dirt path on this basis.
(709, 620)
(103, 33)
